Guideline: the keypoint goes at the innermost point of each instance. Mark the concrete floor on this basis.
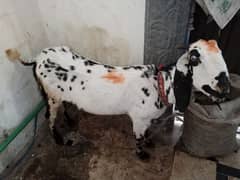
(108, 154)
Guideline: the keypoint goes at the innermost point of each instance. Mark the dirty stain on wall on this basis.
(109, 31)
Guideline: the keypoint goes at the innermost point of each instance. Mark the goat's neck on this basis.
(168, 76)
(178, 83)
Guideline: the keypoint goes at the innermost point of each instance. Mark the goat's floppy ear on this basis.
(194, 59)
(182, 90)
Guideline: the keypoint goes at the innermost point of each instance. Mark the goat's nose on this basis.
(223, 83)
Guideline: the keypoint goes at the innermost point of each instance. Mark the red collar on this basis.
(161, 88)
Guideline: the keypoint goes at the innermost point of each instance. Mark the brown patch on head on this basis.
(211, 45)
(114, 77)
(12, 54)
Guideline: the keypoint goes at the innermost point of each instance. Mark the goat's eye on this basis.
(194, 58)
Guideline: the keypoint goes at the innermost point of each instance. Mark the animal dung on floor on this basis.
(209, 130)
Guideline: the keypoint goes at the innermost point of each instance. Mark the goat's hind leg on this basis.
(53, 106)
(71, 136)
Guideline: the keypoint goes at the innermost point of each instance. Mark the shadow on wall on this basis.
(96, 43)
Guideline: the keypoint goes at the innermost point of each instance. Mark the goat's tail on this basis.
(14, 55)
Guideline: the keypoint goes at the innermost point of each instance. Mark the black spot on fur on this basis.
(64, 50)
(72, 68)
(58, 86)
(182, 90)
(146, 91)
(45, 76)
(53, 101)
(143, 102)
(39, 66)
(73, 56)
(59, 68)
(82, 82)
(166, 77)
(41, 73)
(133, 67)
(51, 49)
(73, 78)
(145, 75)
(157, 105)
(65, 77)
(109, 67)
(89, 71)
(138, 67)
(45, 52)
(161, 104)
(83, 88)
(49, 70)
(70, 88)
(50, 62)
(155, 78)
(127, 67)
(82, 57)
(62, 76)
(89, 63)
(168, 91)
(49, 66)
(62, 89)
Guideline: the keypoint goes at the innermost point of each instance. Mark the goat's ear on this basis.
(182, 90)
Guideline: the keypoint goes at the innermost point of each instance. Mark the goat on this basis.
(143, 91)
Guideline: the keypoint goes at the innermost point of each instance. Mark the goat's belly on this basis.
(99, 99)
(93, 95)
(100, 103)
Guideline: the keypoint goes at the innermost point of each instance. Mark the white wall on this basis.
(20, 27)
(111, 31)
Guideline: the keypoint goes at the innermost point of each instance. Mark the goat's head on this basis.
(203, 67)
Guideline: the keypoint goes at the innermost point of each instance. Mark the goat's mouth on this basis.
(214, 95)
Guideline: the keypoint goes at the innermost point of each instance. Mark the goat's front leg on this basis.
(139, 128)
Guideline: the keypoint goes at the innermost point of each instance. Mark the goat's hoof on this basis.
(143, 155)
(73, 138)
(57, 137)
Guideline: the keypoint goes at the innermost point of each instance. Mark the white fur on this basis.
(100, 96)
(212, 63)
(96, 94)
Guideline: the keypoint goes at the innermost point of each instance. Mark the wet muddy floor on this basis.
(106, 153)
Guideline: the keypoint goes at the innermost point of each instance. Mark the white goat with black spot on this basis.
(134, 90)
